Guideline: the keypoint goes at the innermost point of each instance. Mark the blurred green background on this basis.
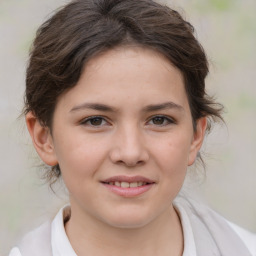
(226, 29)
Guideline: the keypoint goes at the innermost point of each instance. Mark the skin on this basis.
(145, 128)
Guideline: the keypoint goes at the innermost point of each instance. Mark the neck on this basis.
(89, 236)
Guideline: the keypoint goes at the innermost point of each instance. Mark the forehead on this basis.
(141, 57)
(138, 74)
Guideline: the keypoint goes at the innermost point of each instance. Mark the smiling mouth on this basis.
(124, 184)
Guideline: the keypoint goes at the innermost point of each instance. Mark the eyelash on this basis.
(167, 120)
(89, 120)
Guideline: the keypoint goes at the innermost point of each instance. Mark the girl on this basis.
(115, 103)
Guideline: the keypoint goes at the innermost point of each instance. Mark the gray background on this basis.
(227, 30)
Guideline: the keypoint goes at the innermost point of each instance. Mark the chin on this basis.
(128, 219)
(128, 223)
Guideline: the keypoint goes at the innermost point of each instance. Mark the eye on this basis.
(96, 121)
(160, 121)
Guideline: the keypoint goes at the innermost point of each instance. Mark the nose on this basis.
(129, 147)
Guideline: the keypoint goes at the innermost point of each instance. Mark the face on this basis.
(123, 137)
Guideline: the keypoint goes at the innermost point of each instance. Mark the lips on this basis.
(128, 186)
(128, 179)
(124, 184)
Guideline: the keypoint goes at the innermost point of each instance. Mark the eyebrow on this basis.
(106, 108)
(95, 106)
(162, 106)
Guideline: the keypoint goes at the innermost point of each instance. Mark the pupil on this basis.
(158, 120)
(96, 121)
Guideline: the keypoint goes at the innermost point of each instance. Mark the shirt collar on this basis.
(60, 243)
(62, 247)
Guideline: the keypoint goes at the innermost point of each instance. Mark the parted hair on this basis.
(83, 29)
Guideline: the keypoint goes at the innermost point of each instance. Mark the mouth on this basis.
(125, 184)
(128, 186)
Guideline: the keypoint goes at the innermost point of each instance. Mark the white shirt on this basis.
(62, 247)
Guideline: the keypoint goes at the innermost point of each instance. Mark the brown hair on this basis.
(85, 28)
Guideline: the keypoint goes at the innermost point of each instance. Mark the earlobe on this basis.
(42, 139)
(197, 140)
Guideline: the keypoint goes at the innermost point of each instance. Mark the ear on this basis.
(42, 139)
(197, 139)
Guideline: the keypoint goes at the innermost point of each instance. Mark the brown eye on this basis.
(160, 121)
(94, 121)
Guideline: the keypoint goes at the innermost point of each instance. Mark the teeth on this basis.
(124, 184)
(117, 183)
(133, 185)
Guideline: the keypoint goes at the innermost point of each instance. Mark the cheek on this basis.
(171, 158)
(79, 157)
(173, 153)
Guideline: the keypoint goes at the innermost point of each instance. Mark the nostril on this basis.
(129, 156)
(133, 163)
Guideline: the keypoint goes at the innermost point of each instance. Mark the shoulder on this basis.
(225, 234)
(37, 242)
(246, 236)
(47, 239)
(15, 252)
